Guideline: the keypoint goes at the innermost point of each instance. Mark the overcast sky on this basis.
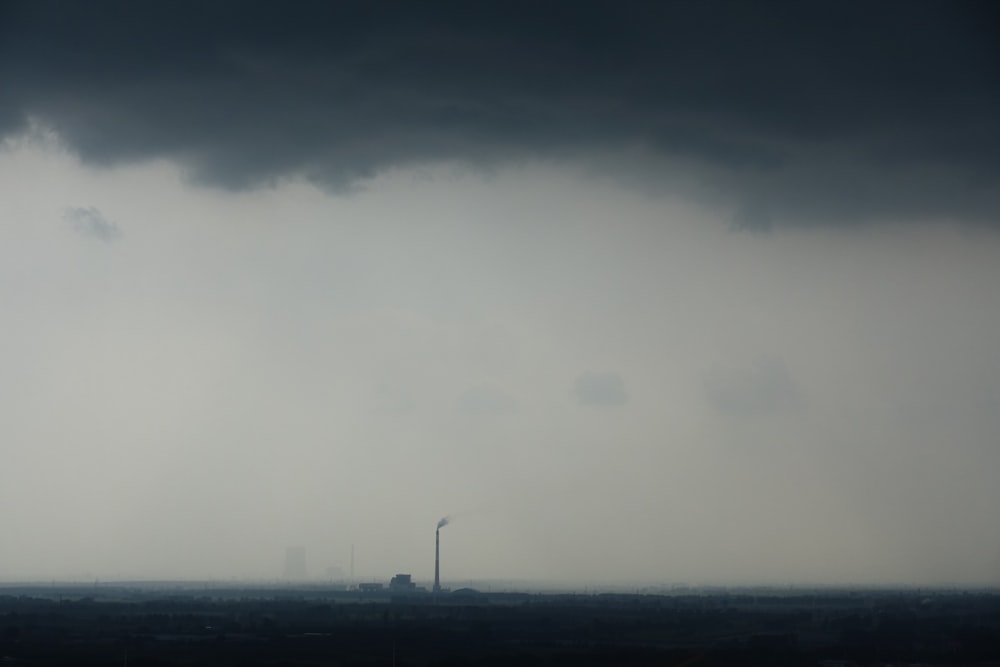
(637, 292)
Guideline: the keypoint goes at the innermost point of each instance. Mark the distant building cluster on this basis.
(402, 583)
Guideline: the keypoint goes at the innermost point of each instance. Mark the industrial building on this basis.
(402, 583)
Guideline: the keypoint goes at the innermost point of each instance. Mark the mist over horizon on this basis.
(653, 293)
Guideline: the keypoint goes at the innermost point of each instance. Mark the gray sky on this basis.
(631, 301)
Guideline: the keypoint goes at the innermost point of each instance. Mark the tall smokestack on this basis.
(437, 560)
(437, 554)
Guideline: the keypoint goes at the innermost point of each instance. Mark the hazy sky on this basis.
(637, 292)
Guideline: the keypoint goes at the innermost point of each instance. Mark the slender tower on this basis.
(437, 560)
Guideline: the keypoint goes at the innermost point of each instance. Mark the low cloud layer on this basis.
(779, 112)
(89, 221)
(291, 366)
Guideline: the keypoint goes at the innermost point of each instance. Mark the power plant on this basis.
(401, 584)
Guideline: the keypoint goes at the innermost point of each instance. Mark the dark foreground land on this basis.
(142, 626)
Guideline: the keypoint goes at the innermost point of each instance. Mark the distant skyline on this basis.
(636, 293)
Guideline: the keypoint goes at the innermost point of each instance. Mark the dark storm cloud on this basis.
(782, 111)
(89, 221)
(762, 389)
(602, 389)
